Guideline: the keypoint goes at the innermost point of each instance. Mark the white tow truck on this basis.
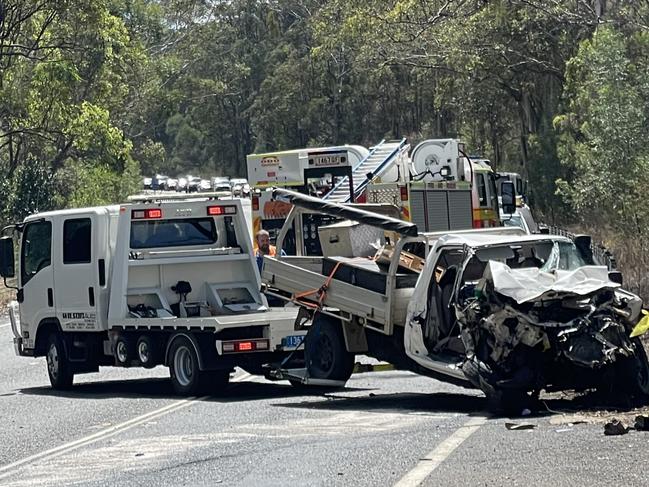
(496, 309)
(161, 280)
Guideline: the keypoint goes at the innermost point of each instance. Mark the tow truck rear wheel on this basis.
(147, 351)
(58, 365)
(325, 352)
(123, 350)
(186, 377)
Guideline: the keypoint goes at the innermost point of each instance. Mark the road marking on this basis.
(434, 459)
(5, 326)
(9, 469)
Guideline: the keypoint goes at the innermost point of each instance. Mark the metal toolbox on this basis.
(350, 239)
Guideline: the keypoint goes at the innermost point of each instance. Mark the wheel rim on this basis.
(122, 353)
(325, 354)
(53, 361)
(184, 366)
(143, 352)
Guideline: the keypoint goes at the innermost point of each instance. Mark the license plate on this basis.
(292, 341)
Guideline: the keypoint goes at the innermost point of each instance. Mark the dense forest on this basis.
(94, 93)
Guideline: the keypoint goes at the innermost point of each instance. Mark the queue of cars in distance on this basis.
(189, 184)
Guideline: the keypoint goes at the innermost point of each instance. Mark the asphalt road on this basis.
(124, 427)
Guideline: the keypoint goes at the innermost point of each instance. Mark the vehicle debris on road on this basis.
(520, 426)
(641, 422)
(615, 428)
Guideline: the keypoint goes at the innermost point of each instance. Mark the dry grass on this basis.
(632, 256)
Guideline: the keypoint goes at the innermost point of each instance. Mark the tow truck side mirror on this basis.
(508, 197)
(7, 265)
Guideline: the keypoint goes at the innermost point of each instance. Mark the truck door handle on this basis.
(91, 296)
(50, 297)
(101, 263)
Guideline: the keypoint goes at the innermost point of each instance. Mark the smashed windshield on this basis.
(546, 255)
(563, 256)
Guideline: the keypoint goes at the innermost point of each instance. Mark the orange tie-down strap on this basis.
(319, 293)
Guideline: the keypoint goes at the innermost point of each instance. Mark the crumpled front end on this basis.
(527, 330)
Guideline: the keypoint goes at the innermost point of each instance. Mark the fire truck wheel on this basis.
(58, 365)
(147, 351)
(325, 352)
(186, 376)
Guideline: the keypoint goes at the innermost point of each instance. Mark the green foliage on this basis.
(96, 184)
(603, 132)
(92, 91)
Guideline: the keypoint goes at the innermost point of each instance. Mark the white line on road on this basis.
(434, 459)
(9, 469)
(5, 326)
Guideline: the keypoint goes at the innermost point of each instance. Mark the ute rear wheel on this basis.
(325, 352)
(58, 365)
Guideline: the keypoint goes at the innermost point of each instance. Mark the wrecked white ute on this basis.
(518, 317)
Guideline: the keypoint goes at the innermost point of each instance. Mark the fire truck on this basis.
(440, 188)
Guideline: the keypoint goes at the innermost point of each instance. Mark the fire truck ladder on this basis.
(380, 158)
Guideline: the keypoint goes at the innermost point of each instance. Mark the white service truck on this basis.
(310, 170)
(161, 280)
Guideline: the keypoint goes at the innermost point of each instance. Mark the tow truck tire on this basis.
(325, 352)
(58, 365)
(123, 351)
(147, 351)
(186, 376)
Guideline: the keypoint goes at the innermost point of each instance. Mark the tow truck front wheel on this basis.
(58, 365)
(325, 352)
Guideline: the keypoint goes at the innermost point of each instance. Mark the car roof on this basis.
(99, 210)
(480, 240)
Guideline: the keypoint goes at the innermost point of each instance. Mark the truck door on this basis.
(75, 265)
(36, 293)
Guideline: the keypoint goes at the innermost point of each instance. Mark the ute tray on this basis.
(365, 273)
